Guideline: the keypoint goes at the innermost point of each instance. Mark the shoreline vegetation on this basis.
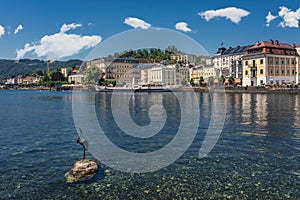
(228, 89)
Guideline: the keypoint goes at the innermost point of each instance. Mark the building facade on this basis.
(298, 62)
(270, 62)
(228, 62)
(121, 69)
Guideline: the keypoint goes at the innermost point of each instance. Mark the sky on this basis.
(70, 29)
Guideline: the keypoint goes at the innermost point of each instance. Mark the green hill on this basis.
(12, 68)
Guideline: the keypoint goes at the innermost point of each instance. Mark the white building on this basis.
(165, 75)
(209, 72)
(76, 78)
(162, 75)
(298, 62)
(11, 81)
(228, 62)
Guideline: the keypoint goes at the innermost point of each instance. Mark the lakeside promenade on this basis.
(227, 89)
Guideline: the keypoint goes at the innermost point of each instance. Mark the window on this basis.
(288, 62)
(282, 71)
(261, 71)
(246, 63)
(282, 62)
(271, 70)
(276, 61)
(293, 62)
(293, 71)
(277, 71)
(288, 72)
(270, 61)
(261, 61)
(246, 72)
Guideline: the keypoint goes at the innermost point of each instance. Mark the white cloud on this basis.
(60, 44)
(67, 27)
(20, 27)
(136, 23)
(290, 18)
(231, 13)
(2, 31)
(182, 26)
(270, 18)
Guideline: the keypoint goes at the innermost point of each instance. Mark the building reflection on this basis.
(297, 112)
(261, 110)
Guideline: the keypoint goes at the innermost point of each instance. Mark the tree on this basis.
(221, 80)
(57, 76)
(201, 80)
(192, 81)
(230, 80)
(211, 80)
(92, 75)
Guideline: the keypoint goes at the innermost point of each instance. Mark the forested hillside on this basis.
(12, 68)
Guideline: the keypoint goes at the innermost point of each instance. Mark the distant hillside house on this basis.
(270, 62)
(184, 58)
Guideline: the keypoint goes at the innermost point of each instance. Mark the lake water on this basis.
(256, 157)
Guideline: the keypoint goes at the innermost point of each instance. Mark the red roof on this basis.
(273, 44)
(75, 71)
(271, 47)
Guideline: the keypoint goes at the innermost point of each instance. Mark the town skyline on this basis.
(34, 31)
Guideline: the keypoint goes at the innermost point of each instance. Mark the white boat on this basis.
(135, 88)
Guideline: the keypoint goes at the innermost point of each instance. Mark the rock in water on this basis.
(81, 171)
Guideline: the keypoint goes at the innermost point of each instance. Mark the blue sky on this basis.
(89, 22)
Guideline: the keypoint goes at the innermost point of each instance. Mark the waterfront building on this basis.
(228, 62)
(195, 73)
(76, 77)
(209, 72)
(11, 81)
(298, 63)
(270, 62)
(163, 75)
(29, 80)
(120, 69)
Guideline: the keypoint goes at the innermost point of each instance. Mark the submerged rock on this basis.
(81, 171)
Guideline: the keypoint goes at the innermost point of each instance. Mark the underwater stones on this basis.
(81, 171)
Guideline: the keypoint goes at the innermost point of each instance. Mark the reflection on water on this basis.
(256, 157)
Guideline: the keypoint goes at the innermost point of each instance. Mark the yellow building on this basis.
(298, 62)
(270, 62)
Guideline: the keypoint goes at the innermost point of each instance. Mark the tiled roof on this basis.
(272, 44)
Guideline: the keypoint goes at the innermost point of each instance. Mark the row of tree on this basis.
(148, 54)
(211, 80)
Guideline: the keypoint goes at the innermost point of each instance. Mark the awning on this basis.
(237, 80)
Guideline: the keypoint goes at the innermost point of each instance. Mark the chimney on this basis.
(277, 42)
(272, 42)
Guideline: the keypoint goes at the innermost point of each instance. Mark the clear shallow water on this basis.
(256, 157)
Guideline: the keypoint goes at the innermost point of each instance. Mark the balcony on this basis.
(253, 67)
